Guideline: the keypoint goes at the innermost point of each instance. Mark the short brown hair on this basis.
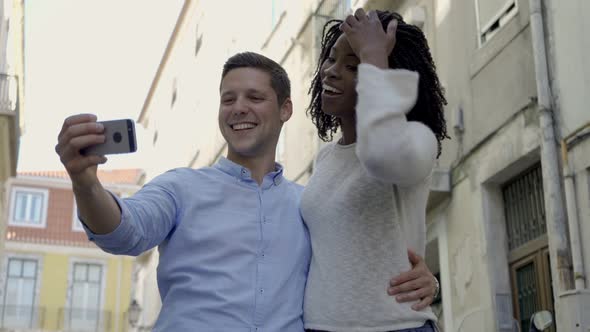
(279, 80)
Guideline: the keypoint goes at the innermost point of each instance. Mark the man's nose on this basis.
(240, 106)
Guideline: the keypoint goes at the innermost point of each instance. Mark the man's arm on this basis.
(97, 208)
(418, 284)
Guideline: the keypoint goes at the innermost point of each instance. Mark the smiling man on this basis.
(234, 252)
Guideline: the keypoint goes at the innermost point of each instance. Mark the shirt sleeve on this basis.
(147, 218)
(391, 148)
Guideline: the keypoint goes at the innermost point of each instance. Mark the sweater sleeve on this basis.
(391, 148)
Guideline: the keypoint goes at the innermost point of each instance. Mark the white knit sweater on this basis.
(365, 205)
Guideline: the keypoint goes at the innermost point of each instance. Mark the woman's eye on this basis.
(352, 68)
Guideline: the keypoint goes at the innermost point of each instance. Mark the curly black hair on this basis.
(410, 52)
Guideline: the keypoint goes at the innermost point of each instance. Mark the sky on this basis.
(89, 56)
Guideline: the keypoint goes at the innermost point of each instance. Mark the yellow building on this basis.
(11, 93)
(54, 279)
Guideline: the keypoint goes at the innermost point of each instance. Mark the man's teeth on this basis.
(331, 89)
(242, 126)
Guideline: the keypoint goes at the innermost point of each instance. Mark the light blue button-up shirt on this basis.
(234, 255)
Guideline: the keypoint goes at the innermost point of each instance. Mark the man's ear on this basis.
(286, 110)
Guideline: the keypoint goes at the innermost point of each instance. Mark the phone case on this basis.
(120, 138)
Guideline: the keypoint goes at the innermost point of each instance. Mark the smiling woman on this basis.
(365, 203)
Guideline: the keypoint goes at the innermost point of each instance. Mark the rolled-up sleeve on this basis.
(147, 218)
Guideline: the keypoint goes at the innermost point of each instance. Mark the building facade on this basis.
(11, 93)
(509, 205)
(53, 278)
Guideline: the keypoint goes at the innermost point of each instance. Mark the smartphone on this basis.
(120, 138)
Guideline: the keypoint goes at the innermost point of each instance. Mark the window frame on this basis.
(102, 287)
(76, 223)
(502, 17)
(37, 283)
(43, 213)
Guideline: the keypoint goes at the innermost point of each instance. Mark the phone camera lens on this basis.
(117, 137)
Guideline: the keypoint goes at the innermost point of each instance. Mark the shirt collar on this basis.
(238, 171)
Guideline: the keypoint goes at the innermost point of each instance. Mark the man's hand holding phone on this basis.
(78, 132)
(82, 144)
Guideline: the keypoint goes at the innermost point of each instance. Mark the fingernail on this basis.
(399, 298)
(99, 126)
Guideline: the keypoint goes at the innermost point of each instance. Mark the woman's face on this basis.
(339, 77)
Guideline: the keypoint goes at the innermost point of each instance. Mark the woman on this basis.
(365, 203)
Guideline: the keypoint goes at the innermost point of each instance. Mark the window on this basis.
(19, 295)
(174, 92)
(277, 9)
(28, 207)
(199, 40)
(76, 224)
(524, 207)
(492, 15)
(84, 312)
(326, 11)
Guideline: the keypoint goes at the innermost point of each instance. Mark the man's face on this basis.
(250, 118)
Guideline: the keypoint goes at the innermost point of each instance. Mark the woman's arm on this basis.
(390, 147)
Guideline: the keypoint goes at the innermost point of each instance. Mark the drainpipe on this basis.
(572, 211)
(556, 219)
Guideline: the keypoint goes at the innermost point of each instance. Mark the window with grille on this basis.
(28, 207)
(527, 241)
(18, 310)
(524, 208)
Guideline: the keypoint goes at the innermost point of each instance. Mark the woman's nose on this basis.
(331, 71)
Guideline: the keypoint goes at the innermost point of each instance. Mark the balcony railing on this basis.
(81, 319)
(21, 317)
(36, 318)
(8, 94)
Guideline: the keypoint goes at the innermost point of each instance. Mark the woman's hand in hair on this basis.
(368, 40)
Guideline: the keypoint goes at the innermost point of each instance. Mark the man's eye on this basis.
(227, 101)
(352, 68)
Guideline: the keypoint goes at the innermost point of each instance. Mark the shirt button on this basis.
(261, 290)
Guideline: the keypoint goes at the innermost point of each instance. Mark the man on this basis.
(234, 252)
